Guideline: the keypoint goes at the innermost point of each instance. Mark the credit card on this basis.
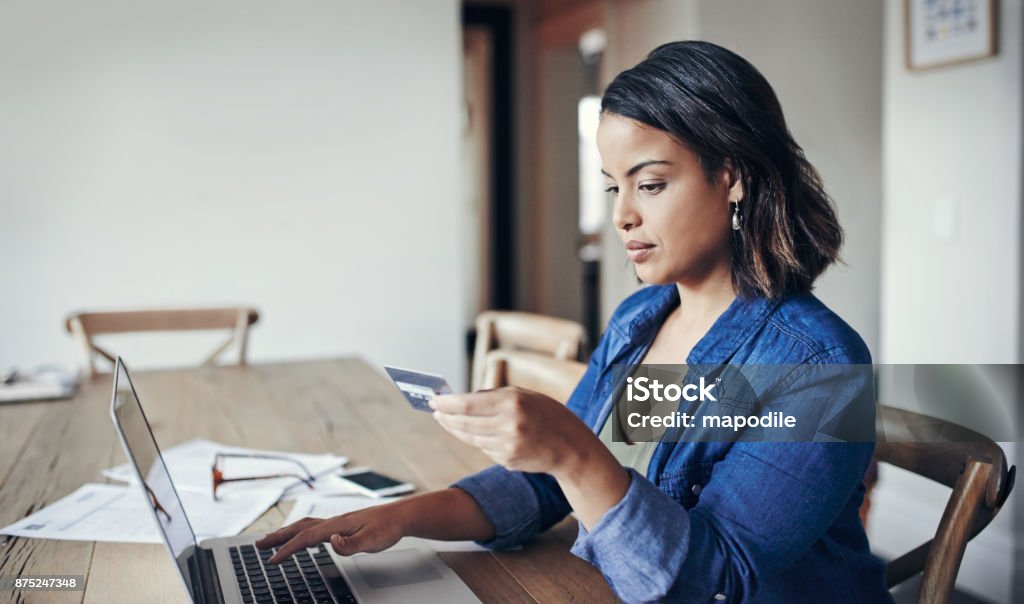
(418, 387)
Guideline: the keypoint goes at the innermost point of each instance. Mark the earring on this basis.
(736, 218)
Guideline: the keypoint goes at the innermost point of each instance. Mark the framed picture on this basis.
(945, 32)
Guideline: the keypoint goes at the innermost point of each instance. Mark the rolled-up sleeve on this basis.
(658, 529)
(520, 505)
(508, 501)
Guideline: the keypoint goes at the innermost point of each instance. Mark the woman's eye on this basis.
(652, 187)
(612, 189)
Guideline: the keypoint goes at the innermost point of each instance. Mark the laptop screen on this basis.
(145, 455)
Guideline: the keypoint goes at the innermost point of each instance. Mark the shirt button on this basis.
(696, 489)
(720, 597)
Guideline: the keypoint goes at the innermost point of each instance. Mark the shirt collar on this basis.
(733, 327)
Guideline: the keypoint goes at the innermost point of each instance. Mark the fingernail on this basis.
(432, 404)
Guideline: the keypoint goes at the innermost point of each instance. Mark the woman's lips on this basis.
(638, 251)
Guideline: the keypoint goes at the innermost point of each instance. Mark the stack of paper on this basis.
(44, 383)
(103, 512)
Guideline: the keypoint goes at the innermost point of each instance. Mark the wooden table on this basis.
(342, 406)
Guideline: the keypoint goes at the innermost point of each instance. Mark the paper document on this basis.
(105, 512)
(44, 383)
(190, 463)
(317, 506)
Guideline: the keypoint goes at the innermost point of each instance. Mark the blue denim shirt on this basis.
(714, 521)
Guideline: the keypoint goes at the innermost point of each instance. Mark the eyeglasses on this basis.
(159, 509)
(218, 474)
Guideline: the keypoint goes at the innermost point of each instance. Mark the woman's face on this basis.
(675, 224)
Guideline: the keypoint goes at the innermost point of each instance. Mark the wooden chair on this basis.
(507, 330)
(553, 377)
(84, 326)
(971, 464)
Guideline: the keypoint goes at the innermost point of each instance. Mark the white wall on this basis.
(302, 157)
(557, 282)
(952, 154)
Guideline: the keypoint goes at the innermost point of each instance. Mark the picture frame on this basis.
(938, 33)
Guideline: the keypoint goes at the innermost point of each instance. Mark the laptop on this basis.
(233, 570)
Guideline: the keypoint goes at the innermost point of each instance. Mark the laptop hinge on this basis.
(203, 572)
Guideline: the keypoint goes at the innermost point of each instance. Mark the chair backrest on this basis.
(968, 462)
(84, 326)
(553, 377)
(509, 330)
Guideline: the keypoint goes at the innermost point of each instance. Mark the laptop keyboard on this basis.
(301, 579)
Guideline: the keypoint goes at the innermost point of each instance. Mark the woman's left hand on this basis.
(519, 429)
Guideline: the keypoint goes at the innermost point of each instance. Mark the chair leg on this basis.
(947, 551)
(242, 335)
(81, 339)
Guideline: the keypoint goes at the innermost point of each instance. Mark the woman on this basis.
(729, 224)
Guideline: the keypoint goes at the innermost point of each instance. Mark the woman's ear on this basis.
(733, 181)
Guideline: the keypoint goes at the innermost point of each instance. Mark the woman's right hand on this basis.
(369, 530)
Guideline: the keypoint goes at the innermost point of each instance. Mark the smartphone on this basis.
(370, 483)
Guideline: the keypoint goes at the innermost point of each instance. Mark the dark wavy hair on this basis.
(718, 105)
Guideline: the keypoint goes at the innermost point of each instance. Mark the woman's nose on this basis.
(624, 214)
